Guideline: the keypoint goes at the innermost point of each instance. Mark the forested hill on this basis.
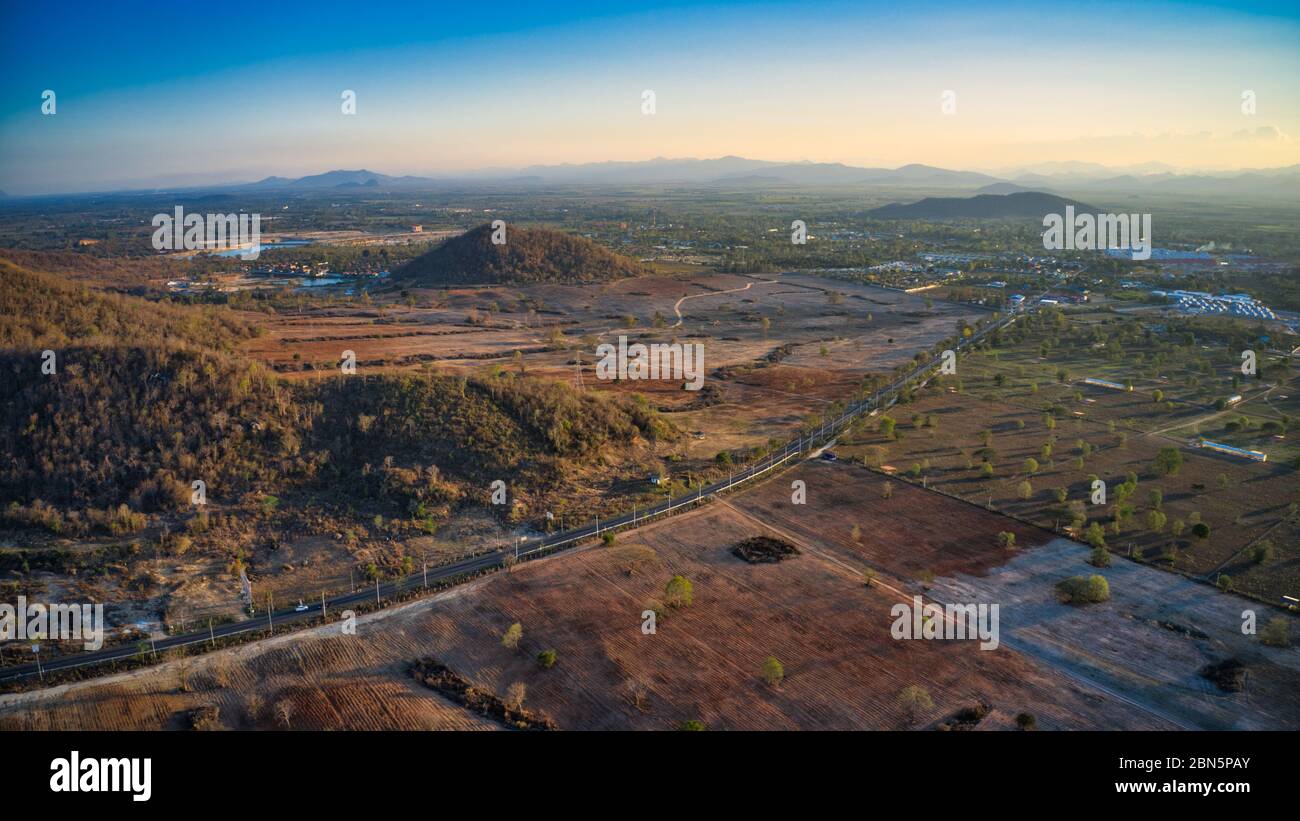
(144, 398)
(527, 255)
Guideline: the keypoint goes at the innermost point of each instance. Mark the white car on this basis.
(301, 608)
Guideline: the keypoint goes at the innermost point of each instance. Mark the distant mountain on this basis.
(1072, 169)
(1157, 178)
(343, 179)
(660, 169)
(722, 171)
(1078, 178)
(1002, 188)
(528, 255)
(730, 170)
(982, 206)
(916, 173)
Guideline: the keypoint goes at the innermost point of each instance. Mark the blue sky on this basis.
(173, 93)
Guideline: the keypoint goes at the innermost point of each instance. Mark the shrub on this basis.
(1006, 538)
(547, 659)
(1100, 557)
(679, 592)
(1277, 633)
(773, 672)
(886, 427)
(1083, 589)
(1262, 552)
(1156, 521)
(914, 701)
(1095, 535)
(510, 638)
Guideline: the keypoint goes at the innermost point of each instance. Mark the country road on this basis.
(677, 306)
(525, 549)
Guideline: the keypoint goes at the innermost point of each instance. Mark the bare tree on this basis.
(253, 705)
(914, 701)
(636, 693)
(515, 695)
(284, 711)
(221, 671)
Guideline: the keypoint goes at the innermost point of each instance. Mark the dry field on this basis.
(1071, 668)
(330, 681)
(1146, 645)
(868, 330)
(823, 349)
(1239, 500)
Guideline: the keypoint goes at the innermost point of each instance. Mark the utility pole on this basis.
(352, 582)
(36, 648)
(426, 575)
(269, 623)
(322, 605)
(377, 590)
(212, 638)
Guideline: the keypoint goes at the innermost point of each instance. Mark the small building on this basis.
(1218, 447)
(1106, 383)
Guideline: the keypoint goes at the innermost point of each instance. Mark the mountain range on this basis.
(739, 172)
(732, 173)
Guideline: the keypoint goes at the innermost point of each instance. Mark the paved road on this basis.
(883, 398)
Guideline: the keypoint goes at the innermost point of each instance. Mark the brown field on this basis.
(721, 310)
(1072, 668)
(331, 681)
(870, 331)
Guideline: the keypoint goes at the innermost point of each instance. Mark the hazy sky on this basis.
(175, 93)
